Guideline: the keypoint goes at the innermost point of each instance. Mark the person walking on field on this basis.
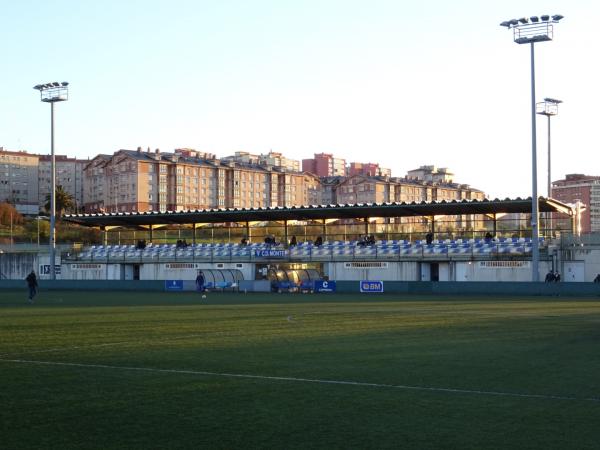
(32, 284)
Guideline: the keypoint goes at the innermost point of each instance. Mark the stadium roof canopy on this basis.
(317, 212)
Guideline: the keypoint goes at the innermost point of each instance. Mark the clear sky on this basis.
(395, 82)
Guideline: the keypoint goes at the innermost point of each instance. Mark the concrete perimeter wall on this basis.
(486, 289)
(88, 285)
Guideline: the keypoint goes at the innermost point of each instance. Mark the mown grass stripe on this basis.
(306, 380)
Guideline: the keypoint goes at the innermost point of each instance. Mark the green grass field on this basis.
(169, 371)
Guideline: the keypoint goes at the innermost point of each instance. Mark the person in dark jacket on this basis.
(200, 281)
(32, 284)
(556, 277)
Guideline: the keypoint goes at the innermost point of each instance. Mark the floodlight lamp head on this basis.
(552, 100)
(545, 17)
(506, 24)
(65, 83)
(55, 83)
(557, 17)
(524, 20)
(513, 22)
(534, 19)
(38, 87)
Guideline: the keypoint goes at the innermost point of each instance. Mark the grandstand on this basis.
(411, 242)
(403, 256)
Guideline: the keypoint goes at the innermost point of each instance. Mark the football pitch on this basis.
(117, 370)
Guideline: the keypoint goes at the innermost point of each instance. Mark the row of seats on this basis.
(382, 243)
(308, 250)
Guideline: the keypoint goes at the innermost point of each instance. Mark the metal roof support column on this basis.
(194, 234)
(104, 236)
(150, 234)
(433, 225)
(285, 232)
(366, 226)
(494, 225)
(248, 236)
(324, 230)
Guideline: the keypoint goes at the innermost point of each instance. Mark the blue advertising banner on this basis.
(270, 253)
(173, 285)
(324, 286)
(371, 286)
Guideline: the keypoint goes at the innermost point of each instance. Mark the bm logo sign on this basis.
(371, 286)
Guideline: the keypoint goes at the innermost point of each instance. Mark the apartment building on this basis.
(272, 158)
(69, 175)
(25, 179)
(19, 183)
(369, 169)
(581, 188)
(324, 165)
(431, 173)
(136, 180)
(377, 189)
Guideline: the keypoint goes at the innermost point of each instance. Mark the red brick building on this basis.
(586, 189)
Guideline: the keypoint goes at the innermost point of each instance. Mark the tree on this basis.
(9, 214)
(64, 201)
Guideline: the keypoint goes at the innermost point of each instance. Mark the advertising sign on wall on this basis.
(45, 269)
(324, 286)
(371, 286)
(173, 285)
(270, 253)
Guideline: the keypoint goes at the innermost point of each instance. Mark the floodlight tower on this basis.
(529, 31)
(52, 93)
(549, 108)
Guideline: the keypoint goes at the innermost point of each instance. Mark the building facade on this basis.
(19, 180)
(136, 180)
(69, 175)
(324, 165)
(369, 169)
(25, 179)
(272, 158)
(581, 188)
(377, 189)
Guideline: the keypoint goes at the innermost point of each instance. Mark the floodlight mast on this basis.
(549, 108)
(52, 93)
(526, 32)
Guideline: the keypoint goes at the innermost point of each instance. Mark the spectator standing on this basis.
(549, 277)
(200, 281)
